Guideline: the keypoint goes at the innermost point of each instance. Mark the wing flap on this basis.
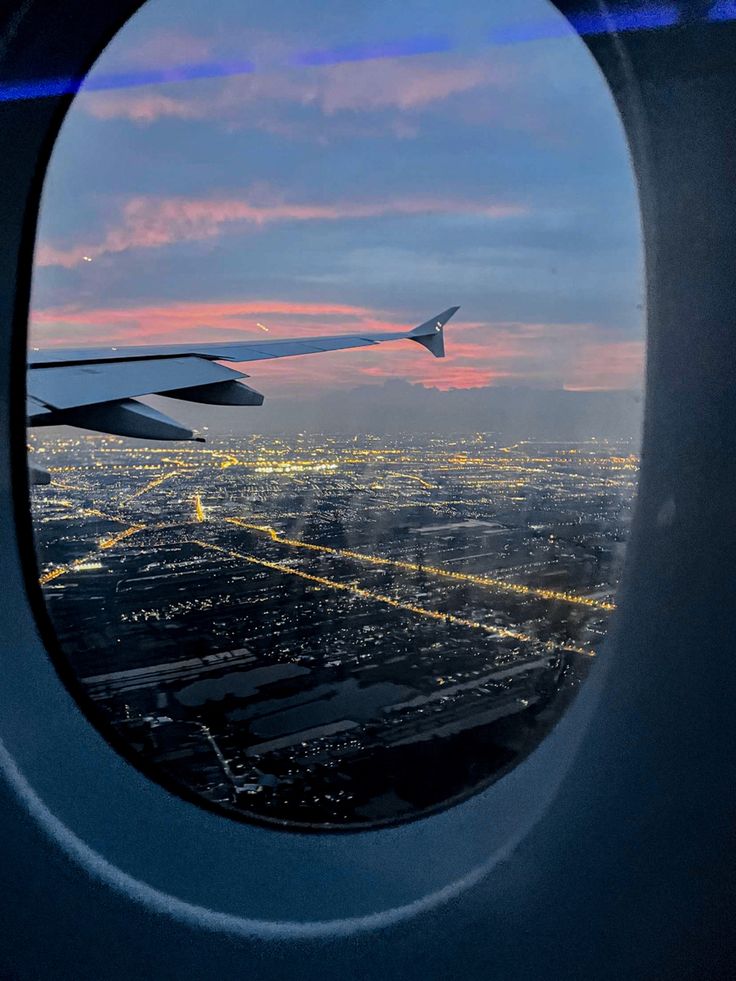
(125, 417)
(221, 393)
(35, 410)
(71, 386)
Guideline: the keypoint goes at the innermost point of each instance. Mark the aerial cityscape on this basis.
(324, 630)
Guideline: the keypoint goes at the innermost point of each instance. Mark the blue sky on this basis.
(373, 188)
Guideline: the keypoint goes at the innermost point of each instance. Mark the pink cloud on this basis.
(183, 322)
(445, 375)
(404, 85)
(574, 356)
(150, 222)
(606, 364)
(138, 107)
(399, 84)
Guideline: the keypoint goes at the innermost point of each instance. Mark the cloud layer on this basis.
(403, 85)
(349, 195)
(151, 222)
(573, 356)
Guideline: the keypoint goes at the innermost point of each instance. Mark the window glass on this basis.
(375, 593)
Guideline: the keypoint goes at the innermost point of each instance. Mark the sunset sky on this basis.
(354, 166)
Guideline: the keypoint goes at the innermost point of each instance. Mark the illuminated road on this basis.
(105, 543)
(156, 482)
(89, 512)
(113, 540)
(409, 476)
(487, 581)
(388, 600)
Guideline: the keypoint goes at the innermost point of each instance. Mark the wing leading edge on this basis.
(96, 388)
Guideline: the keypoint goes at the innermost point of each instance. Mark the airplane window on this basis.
(375, 593)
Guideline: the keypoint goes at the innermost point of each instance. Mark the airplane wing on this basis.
(97, 388)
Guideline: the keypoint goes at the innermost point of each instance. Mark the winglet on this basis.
(430, 334)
